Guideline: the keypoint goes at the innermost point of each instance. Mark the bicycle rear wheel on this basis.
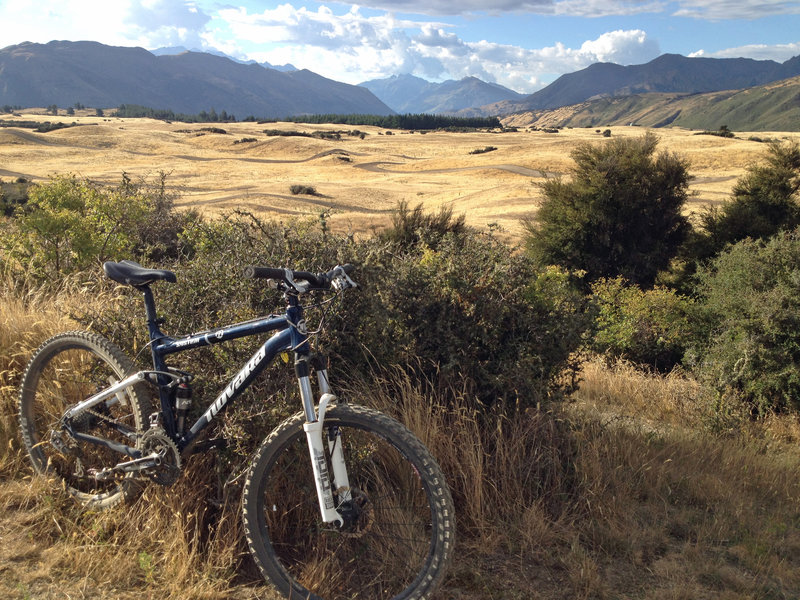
(65, 370)
(400, 530)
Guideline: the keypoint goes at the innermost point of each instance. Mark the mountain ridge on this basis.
(103, 76)
(669, 73)
(409, 94)
(774, 106)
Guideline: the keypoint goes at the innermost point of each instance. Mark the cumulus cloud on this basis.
(352, 47)
(166, 23)
(147, 23)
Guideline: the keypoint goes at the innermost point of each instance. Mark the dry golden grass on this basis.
(623, 493)
(359, 180)
(640, 488)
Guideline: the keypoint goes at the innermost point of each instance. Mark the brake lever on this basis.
(300, 286)
(340, 280)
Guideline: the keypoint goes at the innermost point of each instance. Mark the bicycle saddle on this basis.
(132, 273)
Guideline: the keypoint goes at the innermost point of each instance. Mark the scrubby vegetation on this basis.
(604, 436)
(422, 121)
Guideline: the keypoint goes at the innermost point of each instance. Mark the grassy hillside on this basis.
(772, 107)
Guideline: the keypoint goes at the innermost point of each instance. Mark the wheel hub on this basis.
(358, 514)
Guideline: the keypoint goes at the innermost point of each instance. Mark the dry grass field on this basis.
(359, 181)
(640, 488)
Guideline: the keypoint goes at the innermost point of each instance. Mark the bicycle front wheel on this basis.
(400, 530)
(64, 371)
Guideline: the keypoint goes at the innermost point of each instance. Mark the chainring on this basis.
(156, 441)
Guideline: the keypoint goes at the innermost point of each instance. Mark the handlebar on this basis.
(338, 277)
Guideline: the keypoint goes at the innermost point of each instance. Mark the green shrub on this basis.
(764, 201)
(752, 297)
(653, 327)
(69, 224)
(473, 311)
(620, 214)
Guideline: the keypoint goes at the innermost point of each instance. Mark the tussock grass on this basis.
(633, 490)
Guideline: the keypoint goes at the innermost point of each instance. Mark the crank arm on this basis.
(131, 466)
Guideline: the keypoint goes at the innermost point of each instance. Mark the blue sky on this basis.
(522, 44)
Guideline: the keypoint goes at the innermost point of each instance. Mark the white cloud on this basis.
(586, 8)
(716, 10)
(147, 23)
(778, 52)
(166, 23)
(352, 47)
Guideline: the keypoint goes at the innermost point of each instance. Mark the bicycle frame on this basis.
(290, 335)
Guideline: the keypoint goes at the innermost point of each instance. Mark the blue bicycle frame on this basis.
(291, 335)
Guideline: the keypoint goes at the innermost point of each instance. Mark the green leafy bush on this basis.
(620, 214)
(69, 224)
(764, 201)
(752, 297)
(472, 311)
(653, 327)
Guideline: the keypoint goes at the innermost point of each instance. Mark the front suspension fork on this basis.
(313, 427)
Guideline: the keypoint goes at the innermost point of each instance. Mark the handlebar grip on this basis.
(263, 273)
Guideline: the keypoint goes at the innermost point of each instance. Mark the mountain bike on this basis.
(340, 501)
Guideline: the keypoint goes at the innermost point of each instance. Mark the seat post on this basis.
(153, 321)
(153, 328)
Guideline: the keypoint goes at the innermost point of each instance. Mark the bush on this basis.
(298, 189)
(412, 226)
(654, 327)
(723, 131)
(752, 298)
(764, 201)
(69, 225)
(620, 214)
(473, 313)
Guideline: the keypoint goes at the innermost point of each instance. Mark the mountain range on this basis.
(96, 75)
(173, 50)
(409, 94)
(669, 73)
(774, 106)
(670, 89)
